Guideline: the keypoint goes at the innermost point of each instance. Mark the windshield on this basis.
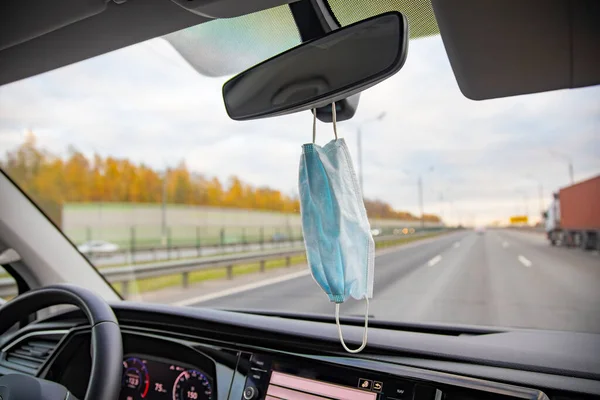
(133, 156)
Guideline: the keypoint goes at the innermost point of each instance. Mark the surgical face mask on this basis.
(339, 246)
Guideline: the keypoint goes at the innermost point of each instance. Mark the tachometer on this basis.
(192, 385)
(136, 380)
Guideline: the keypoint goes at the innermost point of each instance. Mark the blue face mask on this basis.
(339, 246)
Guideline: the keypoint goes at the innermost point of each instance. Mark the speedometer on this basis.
(192, 385)
(136, 380)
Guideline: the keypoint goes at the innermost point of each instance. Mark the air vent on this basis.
(29, 353)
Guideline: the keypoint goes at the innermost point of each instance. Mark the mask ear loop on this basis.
(334, 118)
(314, 124)
(337, 305)
(339, 327)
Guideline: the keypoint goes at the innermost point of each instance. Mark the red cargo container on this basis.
(573, 218)
(580, 205)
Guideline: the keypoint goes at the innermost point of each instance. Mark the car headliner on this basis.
(496, 49)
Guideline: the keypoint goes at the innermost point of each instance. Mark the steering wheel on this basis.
(107, 346)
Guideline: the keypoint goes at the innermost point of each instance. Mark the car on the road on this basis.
(376, 232)
(480, 229)
(97, 246)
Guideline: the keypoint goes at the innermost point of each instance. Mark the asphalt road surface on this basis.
(498, 278)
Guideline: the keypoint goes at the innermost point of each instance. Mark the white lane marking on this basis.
(434, 260)
(524, 261)
(505, 244)
(294, 275)
(239, 289)
(456, 245)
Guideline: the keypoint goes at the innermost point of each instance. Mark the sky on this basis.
(479, 161)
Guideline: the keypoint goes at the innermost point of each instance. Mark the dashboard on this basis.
(194, 354)
(155, 368)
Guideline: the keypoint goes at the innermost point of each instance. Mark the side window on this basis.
(8, 286)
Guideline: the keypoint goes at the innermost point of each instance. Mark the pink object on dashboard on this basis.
(290, 387)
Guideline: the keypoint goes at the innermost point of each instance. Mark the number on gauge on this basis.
(192, 385)
(136, 380)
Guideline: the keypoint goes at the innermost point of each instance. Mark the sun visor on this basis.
(512, 47)
(34, 18)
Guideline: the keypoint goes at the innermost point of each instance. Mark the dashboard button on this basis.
(399, 390)
(250, 393)
(366, 384)
(377, 386)
(259, 362)
(257, 376)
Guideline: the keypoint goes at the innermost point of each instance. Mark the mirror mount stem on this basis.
(314, 19)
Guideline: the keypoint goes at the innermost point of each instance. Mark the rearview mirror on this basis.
(321, 71)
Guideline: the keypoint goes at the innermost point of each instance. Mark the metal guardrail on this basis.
(126, 274)
(129, 273)
(134, 253)
(174, 251)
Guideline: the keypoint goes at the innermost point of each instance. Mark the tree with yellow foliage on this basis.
(52, 181)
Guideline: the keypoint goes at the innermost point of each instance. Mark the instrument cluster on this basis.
(150, 379)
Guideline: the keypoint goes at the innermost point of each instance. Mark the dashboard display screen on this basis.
(155, 380)
(290, 387)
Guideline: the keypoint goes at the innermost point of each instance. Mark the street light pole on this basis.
(420, 193)
(420, 185)
(541, 198)
(571, 172)
(569, 162)
(359, 144)
(163, 208)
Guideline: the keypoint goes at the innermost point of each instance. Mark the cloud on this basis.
(146, 103)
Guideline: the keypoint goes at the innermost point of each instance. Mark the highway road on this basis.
(499, 278)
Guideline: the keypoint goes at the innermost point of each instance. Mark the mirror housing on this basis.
(316, 73)
(344, 109)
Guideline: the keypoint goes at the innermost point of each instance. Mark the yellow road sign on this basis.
(518, 219)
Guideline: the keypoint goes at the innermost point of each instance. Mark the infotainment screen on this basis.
(294, 378)
(272, 378)
(290, 387)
